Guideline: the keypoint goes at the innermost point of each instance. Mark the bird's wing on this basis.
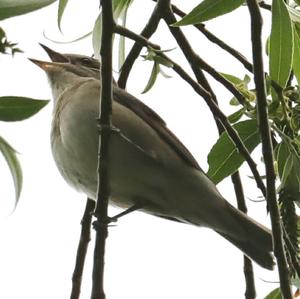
(156, 122)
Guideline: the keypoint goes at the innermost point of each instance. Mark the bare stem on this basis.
(85, 238)
(267, 148)
(147, 32)
(105, 125)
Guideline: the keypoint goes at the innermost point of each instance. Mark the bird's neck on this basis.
(61, 81)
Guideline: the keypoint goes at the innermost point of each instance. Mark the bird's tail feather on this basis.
(257, 240)
(260, 255)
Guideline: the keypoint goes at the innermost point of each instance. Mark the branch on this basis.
(222, 117)
(267, 148)
(141, 40)
(195, 61)
(214, 39)
(147, 32)
(105, 124)
(85, 237)
(250, 292)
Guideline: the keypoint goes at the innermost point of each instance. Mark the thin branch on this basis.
(250, 292)
(214, 39)
(147, 32)
(222, 117)
(194, 59)
(105, 125)
(266, 6)
(141, 40)
(85, 237)
(267, 148)
(216, 112)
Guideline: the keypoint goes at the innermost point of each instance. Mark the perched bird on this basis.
(148, 165)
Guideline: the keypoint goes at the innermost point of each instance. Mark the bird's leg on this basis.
(133, 208)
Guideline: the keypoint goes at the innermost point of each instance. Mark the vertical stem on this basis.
(267, 148)
(85, 237)
(250, 292)
(105, 124)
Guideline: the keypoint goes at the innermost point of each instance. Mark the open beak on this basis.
(45, 65)
(55, 56)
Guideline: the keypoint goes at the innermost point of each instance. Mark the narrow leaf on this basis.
(234, 117)
(288, 163)
(209, 9)
(224, 159)
(14, 166)
(70, 41)
(123, 17)
(153, 77)
(19, 108)
(97, 33)
(275, 294)
(61, 8)
(12, 8)
(281, 43)
(296, 57)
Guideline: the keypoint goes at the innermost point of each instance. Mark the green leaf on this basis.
(207, 10)
(275, 294)
(19, 108)
(224, 159)
(234, 117)
(12, 8)
(233, 79)
(288, 162)
(70, 41)
(153, 77)
(61, 8)
(14, 166)
(296, 57)
(123, 17)
(294, 13)
(281, 43)
(118, 8)
(97, 34)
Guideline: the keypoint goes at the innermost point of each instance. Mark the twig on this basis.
(141, 40)
(222, 117)
(250, 292)
(85, 237)
(105, 124)
(266, 6)
(147, 32)
(194, 59)
(211, 103)
(259, 79)
(214, 39)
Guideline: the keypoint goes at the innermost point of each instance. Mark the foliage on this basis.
(13, 108)
(12, 8)
(7, 47)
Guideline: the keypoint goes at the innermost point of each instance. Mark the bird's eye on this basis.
(86, 61)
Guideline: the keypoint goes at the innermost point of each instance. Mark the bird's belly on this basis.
(134, 176)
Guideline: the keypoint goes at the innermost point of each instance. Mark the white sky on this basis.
(146, 257)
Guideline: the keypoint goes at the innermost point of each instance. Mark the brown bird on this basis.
(148, 166)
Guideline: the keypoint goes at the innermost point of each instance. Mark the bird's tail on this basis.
(256, 242)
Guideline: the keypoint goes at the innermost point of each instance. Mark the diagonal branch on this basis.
(218, 114)
(195, 60)
(147, 32)
(214, 39)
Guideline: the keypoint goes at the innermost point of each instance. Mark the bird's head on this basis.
(76, 59)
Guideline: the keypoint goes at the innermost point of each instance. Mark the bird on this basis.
(148, 165)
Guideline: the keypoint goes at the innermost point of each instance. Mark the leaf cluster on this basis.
(13, 108)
